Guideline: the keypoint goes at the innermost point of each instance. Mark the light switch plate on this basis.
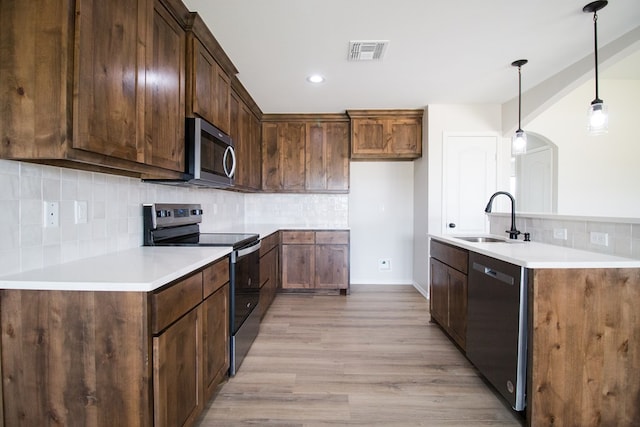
(82, 211)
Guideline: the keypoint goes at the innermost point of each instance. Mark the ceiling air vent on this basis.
(367, 50)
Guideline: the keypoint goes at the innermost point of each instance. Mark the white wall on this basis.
(381, 221)
(597, 175)
(428, 172)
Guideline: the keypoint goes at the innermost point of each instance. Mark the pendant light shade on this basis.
(519, 140)
(598, 112)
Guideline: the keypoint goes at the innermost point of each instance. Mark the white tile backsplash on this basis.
(114, 206)
(623, 235)
(307, 210)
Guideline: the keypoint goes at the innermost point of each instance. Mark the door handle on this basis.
(452, 225)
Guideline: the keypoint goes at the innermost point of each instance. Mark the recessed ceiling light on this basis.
(315, 78)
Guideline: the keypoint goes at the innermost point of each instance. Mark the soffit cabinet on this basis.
(386, 134)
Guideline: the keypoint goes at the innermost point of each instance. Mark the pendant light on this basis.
(598, 112)
(519, 140)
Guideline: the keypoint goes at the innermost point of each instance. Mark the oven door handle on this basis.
(246, 251)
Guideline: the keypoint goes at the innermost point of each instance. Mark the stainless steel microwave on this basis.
(210, 156)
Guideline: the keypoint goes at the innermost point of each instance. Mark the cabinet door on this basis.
(244, 148)
(292, 137)
(458, 306)
(316, 157)
(283, 156)
(177, 371)
(405, 137)
(298, 266)
(237, 131)
(337, 165)
(327, 156)
(216, 339)
(109, 108)
(439, 292)
(165, 105)
(368, 137)
(202, 71)
(210, 88)
(221, 97)
(332, 267)
(271, 174)
(255, 168)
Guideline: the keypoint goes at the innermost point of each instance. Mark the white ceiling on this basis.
(445, 52)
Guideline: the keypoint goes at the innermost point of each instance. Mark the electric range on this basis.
(171, 224)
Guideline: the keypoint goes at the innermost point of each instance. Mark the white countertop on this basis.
(541, 255)
(140, 269)
(263, 230)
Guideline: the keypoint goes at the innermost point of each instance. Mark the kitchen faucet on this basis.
(513, 233)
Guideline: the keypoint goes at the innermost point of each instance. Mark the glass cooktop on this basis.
(236, 240)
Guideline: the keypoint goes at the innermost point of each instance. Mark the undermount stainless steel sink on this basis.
(481, 239)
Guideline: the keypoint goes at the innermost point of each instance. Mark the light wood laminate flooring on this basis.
(371, 358)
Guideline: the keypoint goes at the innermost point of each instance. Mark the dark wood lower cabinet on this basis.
(177, 369)
(216, 340)
(115, 358)
(76, 358)
(315, 260)
(448, 290)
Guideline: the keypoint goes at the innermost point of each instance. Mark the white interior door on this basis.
(470, 178)
(534, 181)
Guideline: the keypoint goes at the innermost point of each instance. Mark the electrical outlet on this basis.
(560, 233)
(51, 214)
(384, 264)
(601, 239)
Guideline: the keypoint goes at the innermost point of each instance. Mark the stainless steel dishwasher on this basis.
(497, 325)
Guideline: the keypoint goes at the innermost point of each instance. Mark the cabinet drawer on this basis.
(215, 276)
(269, 242)
(450, 255)
(169, 304)
(298, 237)
(332, 237)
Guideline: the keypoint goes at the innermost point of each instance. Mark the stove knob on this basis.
(196, 212)
(163, 213)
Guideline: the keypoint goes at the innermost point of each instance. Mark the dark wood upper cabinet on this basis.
(386, 134)
(305, 153)
(327, 156)
(245, 132)
(209, 76)
(84, 84)
(165, 85)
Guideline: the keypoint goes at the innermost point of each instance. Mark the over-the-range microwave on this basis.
(210, 156)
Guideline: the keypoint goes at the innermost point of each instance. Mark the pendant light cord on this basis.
(520, 98)
(595, 44)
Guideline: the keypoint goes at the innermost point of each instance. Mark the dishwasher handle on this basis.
(509, 280)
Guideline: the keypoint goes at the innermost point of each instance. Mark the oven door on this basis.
(245, 281)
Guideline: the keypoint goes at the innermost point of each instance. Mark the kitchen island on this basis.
(583, 351)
